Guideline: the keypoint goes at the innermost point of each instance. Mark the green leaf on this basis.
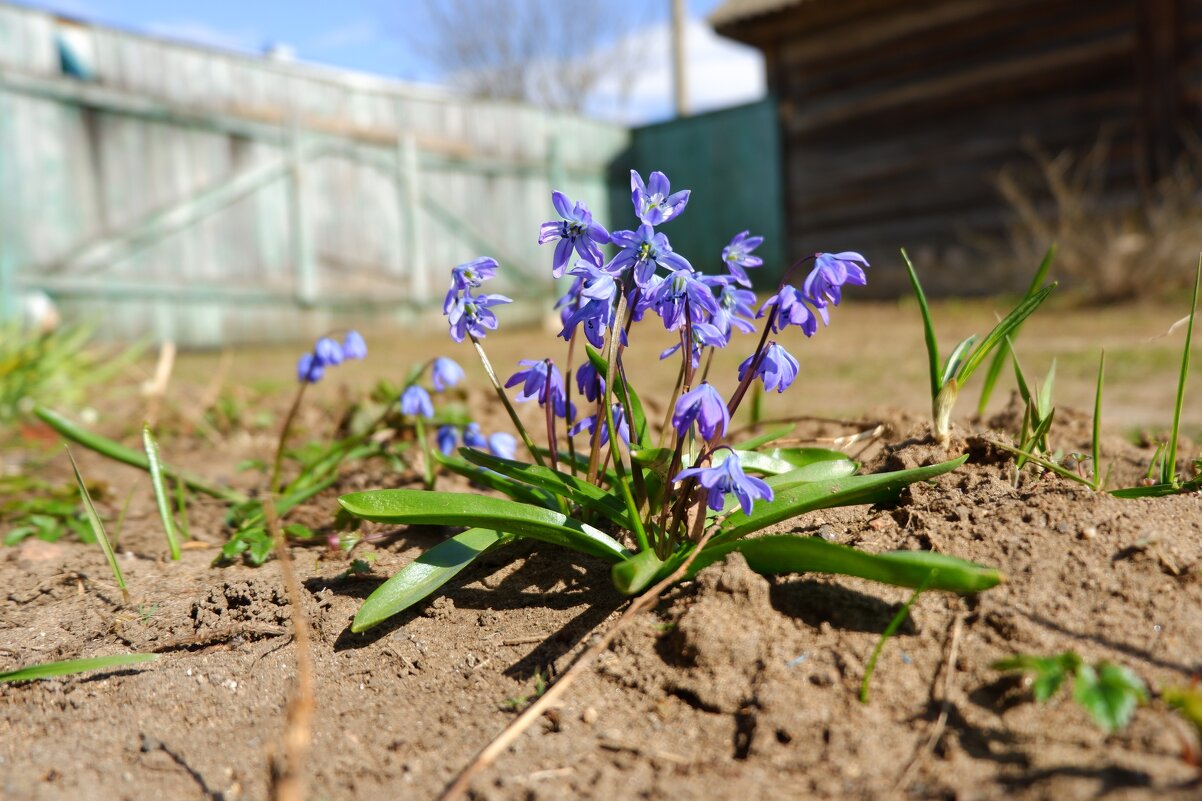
(622, 388)
(951, 368)
(98, 527)
(1044, 403)
(522, 493)
(1048, 672)
(1168, 471)
(48, 670)
(160, 491)
(999, 358)
(789, 553)
(1003, 329)
(120, 453)
(1110, 693)
(1096, 434)
(890, 630)
(632, 576)
(426, 574)
(586, 495)
(847, 491)
(417, 507)
(928, 327)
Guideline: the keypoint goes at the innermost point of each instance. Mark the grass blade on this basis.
(999, 358)
(49, 670)
(889, 631)
(1002, 330)
(97, 525)
(1096, 438)
(928, 327)
(120, 453)
(1168, 470)
(160, 491)
(426, 574)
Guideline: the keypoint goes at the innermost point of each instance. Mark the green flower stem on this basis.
(427, 458)
(615, 447)
(568, 393)
(513, 415)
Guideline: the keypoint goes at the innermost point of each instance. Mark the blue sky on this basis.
(370, 35)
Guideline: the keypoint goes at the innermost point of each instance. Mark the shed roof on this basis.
(734, 11)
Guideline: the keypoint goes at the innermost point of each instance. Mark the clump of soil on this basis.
(737, 686)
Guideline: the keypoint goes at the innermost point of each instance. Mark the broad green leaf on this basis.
(426, 574)
(848, 491)
(98, 527)
(999, 358)
(120, 453)
(1110, 693)
(580, 492)
(632, 576)
(419, 507)
(804, 457)
(1187, 701)
(1048, 672)
(160, 491)
(522, 493)
(951, 368)
(789, 553)
(48, 670)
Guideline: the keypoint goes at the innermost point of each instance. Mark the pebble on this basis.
(589, 715)
(827, 532)
(1088, 533)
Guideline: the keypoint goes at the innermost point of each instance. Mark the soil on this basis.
(737, 686)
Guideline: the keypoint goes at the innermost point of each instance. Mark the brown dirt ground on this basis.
(736, 686)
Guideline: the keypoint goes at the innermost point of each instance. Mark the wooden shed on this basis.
(896, 117)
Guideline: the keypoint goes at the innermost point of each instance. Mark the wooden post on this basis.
(408, 180)
(680, 76)
(1158, 55)
(298, 223)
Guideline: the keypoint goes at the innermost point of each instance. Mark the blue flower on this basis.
(502, 445)
(589, 423)
(309, 369)
(472, 437)
(725, 478)
(328, 352)
(576, 230)
(705, 406)
(737, 256)
(777, 368)
(704, 335)
(353, 346)
(542, 381)
(470, 275)
(472, 316)
(644, 251)
(653, 201)
(734, 306)
(596, 316)
(445, 373)
(590, 382)
(682, 290)
(447, 438)
(831, 271)
(416, 401)
(792, 309)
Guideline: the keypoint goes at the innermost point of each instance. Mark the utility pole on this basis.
(680, 78)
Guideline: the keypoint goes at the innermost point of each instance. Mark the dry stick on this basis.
(157, 389)
(510, 733)
(287, 778)
(941, 722)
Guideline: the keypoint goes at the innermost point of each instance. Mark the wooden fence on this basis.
(210, 197)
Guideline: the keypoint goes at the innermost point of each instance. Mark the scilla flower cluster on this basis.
(644, 277)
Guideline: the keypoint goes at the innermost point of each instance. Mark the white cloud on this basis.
(720, 73)
(352, 34)
(202, 33)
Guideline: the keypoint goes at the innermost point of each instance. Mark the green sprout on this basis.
(98, 528)
(49, 670)
(1108, 692)
(948, 379)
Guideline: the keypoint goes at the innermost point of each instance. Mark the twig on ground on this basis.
(510, 733)
(220, 635)
(949, 673)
